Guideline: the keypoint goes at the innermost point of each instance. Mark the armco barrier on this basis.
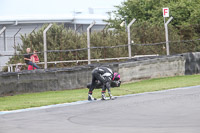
(78, 77)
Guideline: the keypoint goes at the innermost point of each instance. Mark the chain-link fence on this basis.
(73, 57)
(68, 48)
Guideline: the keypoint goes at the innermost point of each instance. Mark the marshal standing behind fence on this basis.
(34, 59)
(27, 59)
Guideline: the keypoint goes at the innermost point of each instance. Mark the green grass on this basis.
(55, 97)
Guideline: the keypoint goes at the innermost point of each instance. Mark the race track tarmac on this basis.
(174, 111)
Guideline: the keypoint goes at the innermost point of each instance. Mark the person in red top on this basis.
(34, 59)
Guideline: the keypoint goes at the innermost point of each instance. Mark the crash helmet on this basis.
(116, 76)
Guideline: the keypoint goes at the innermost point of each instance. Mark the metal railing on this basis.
(11, 66)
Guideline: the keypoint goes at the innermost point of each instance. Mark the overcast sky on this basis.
(52, 7)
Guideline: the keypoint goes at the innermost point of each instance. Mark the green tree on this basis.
(185, 12)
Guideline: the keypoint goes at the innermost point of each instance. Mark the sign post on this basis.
(129, 37)
(166, 14)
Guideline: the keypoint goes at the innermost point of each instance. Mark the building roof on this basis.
(68, 18)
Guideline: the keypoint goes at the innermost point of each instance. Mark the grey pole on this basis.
(14, 40)
(74, 20)
(34, 29)
(125, 22)
(88, 40)
(31, 37)
(164, 20)
(3, 30)
(4, 40)
(74, 23)
(166, 35)
(45, 45)
(129, 37)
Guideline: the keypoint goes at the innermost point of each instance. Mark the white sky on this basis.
(52, 7)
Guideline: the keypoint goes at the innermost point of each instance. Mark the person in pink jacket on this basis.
(34, 59)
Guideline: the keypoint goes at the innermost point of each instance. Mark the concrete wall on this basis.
(192, 63)
(152, 68)
(78, 77)
(40, 80)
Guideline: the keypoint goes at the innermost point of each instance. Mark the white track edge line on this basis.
(86, 101)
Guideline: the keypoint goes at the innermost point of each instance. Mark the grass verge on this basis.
(55, 97)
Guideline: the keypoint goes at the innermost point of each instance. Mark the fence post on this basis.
(45, 45)
(31, 38)
(8, 68)
(15, 41)
(3, 30)
(11, 68)
(166, 35)
(129, 37)
(88, 41)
